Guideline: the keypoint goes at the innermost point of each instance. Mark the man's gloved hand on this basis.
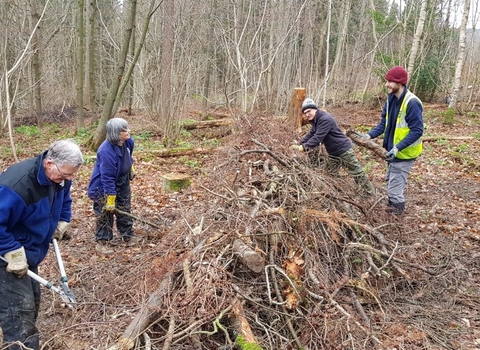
(110, 203)
(60, 231)
(17, 262)
(390, 155)
(365, 136)
(297, 148)
(132, 173)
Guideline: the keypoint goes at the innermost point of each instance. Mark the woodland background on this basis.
(157, 57)
(204, 86)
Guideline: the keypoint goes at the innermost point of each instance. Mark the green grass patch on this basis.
(143, 136)
(191, 163)
(28, 130)
(448, 116)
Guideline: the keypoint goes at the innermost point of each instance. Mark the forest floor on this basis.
(423, 293)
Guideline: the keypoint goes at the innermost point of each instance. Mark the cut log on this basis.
(148, 313)
(248, 256)
(295, 109)
(443, 137)
(174, 182)
(371, 145)
(216, 114)
(245, 338)
(190, 125)
(178, 152)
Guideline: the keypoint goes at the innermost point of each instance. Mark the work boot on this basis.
(131, 240)
(102, 247)
(395, 208)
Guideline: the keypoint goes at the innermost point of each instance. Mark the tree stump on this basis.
(174, 182)
(295, 108)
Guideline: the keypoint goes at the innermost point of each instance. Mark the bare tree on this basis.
(461, 56)
(417, 38)
(36, 62)
(10, 98)
(80, 63)
(108, 110)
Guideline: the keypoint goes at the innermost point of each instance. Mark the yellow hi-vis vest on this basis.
(402, 130)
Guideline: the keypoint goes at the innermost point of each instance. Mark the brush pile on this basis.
(266, 251)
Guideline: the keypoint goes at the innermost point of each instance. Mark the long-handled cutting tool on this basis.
(67, 299)
(63, 274)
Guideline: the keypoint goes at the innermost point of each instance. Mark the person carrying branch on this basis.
(35, 207)
(109, 186)
(402, 125)
(325, 130)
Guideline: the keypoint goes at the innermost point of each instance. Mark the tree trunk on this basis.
(461, 55)
(126, 78)
(80, 63)
(165, 81)
(90, 59)
(36, 62)
(327, 60)
(130, 87)
(108, 107)
(417, 38)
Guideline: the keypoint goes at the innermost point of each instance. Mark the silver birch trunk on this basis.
(461, 55)
(417, 38)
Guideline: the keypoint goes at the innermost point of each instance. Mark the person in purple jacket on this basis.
(109, 186)
(401, 124)
(35, 207)
(325, 130)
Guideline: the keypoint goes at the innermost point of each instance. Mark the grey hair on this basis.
(114, 127)
(65, 152)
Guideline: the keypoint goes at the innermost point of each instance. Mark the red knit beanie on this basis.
(398, 75)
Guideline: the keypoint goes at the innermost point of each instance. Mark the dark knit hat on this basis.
(308, 103)
(398, 75)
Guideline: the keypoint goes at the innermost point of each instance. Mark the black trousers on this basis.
(105, 219)
(19, 305)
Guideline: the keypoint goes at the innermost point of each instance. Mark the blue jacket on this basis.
(110, 166)
(28, 216)
(414, 119)
(325, 130)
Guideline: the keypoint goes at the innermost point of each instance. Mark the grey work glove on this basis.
(365, 136)
(61, 229)
(390, 155)
(17, 262)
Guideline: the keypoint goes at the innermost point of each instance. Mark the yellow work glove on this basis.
(110, 203)
(132, 173)
(297, 148)
(60, 231)
(17, 262)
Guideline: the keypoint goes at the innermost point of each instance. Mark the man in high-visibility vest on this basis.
(402, 125)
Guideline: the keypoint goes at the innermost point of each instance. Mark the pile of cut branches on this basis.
(273, 253)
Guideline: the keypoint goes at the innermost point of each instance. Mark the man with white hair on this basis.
(35, 207)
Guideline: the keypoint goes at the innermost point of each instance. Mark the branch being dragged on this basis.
(264, 150)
